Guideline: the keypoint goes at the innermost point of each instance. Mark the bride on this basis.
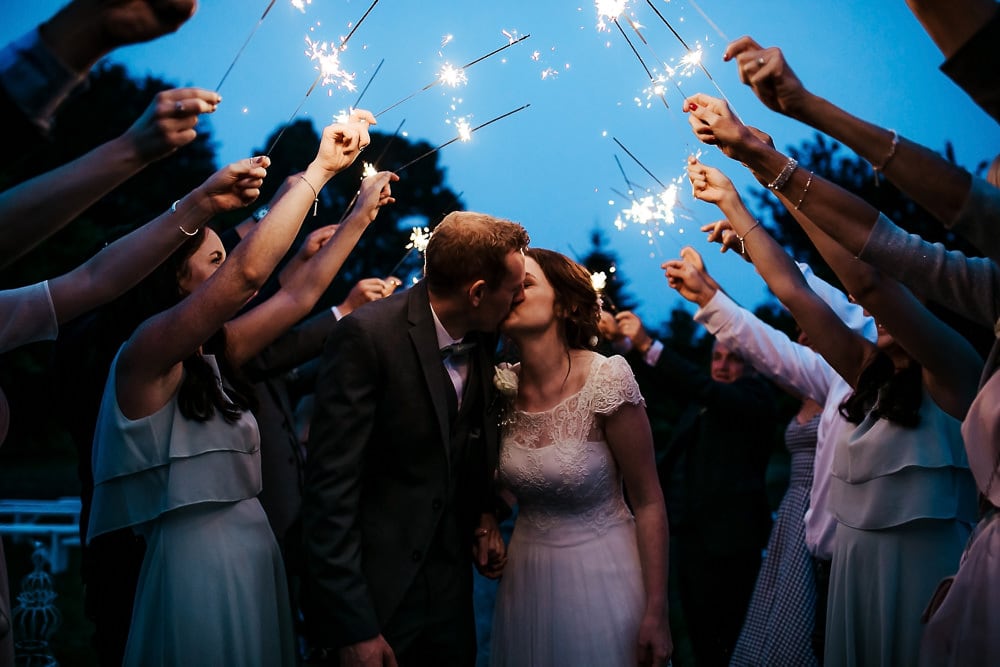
(585, 581)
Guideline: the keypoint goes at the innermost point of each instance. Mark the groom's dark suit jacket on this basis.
(395, 479)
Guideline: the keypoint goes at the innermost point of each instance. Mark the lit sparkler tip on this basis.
(301, 5)
(599, 280)
(446, 40)
(419, 238)
(369, 170)
(452, 76)
(464, 129)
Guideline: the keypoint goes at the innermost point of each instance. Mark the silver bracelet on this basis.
(786, 173)
(173, 209)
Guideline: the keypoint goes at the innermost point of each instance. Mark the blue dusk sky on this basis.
(552, 166)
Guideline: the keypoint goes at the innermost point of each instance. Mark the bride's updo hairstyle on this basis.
(576, 299)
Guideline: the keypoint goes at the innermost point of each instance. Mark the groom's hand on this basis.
(489, 550)
(374, 652)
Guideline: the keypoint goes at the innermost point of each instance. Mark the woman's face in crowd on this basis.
(203, 263)
(536, 311)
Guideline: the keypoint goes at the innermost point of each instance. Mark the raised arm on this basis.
(149, 368)
(84, 31)
(33, 210)
(827, 213)
(936, 184)
(121, 265)
(302, 288)
(847, 352)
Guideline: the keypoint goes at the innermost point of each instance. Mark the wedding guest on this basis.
(176, 453)
(900, 487)
(787, 613)
(719, 514)
(403, 446)
(940, 186)
(575, 428)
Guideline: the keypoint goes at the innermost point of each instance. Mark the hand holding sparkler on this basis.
(688, 276)
(343, 142)
(715, 124)
(721, 232)
(168, 122)
(711, 185)
(631, 327)
(769, 75)
(375, 192)
(367, 290)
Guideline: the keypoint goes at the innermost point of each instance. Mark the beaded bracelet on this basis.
(786, 173)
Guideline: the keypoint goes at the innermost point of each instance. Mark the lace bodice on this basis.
(558, 462)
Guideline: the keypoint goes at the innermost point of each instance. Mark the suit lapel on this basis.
(425, 342)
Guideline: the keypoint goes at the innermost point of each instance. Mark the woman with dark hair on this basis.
(585, 581)
(176, 451)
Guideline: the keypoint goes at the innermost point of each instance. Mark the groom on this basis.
(403, 446)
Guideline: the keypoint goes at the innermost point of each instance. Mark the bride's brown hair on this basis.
(575, 295)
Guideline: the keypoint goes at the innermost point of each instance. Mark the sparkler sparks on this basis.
(452, 76)
(301, 5)
(328, 63)
(464, 129)
(609, 9)
(599, 280)
(369, 170)
(419, 238)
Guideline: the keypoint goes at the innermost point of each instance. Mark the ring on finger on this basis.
(760, 61)
(179, 106)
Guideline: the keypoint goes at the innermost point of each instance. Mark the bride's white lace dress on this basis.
(571, 592)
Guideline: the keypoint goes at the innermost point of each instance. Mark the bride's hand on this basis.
(488, 549)
(655, 643)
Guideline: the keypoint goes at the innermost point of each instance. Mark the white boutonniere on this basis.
(505, 380)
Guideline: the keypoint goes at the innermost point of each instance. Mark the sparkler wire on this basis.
(438, 80)
(451, 141)
(240, 52)
(629, 153)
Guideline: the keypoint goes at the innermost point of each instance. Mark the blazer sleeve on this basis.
(294, 348)
(346, 392)
(685, 381)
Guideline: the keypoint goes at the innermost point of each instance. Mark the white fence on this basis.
(55, 523)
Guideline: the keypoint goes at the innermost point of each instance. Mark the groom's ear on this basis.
(477, 292)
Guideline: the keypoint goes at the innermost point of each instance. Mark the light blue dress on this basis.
(212, 588)
(905, 501)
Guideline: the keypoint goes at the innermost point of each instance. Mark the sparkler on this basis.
(599, 281)
(240, 52)
(452, 76)
(370, 169)
(462, 135)
(419, 238)
(641, 61)
(693, 57)
(329, 66)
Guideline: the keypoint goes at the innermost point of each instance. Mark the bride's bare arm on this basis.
(631, 441)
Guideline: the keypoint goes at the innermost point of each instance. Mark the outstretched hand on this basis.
(709, 184)
(721, 232)
(168, 122)
(715, 124)
(375, 192)
(234, 186)
(768, 74)
(343, 142)
(688, 277)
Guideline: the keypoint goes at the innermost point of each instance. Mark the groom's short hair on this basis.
(467, 246)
